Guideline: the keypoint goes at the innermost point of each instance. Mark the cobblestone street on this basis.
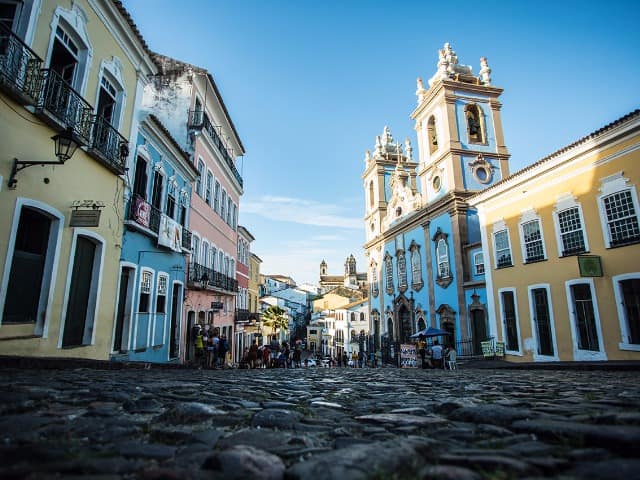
(319, 424)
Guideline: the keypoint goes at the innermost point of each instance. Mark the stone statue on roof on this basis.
(485, 71)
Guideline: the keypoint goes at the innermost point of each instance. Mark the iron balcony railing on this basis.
(107, 142)
(246, 316)
(208, 278)
(66, 105)
(20, 68)
(199, 120)
(146, 215)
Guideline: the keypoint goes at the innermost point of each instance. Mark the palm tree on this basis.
(276, 318)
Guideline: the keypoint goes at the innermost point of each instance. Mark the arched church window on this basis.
(371, 199)
(402, 271)
(374, 280)
(432, 134)
(442, 252)
(475, 123)
(416, 267)
(388, 273)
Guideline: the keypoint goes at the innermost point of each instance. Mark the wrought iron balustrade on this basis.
(199, 120)
(65, 105)
(20, 68)
(209, 278)
(112, 147)
(143, 213)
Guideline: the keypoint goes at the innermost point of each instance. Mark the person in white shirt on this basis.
(436, 354)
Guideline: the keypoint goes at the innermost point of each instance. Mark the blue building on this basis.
(149, 324)
(423, 245)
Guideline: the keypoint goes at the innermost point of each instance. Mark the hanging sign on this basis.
(170, 233)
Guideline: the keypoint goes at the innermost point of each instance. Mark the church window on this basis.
(432, 134)
(388, 273)
(371, 199)
(436, 183)
(442, 253)
(402, 271)
(374, 280)
(475, 124)
(416, 267)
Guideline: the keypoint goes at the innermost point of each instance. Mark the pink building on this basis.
(243, 315)
(187, 100)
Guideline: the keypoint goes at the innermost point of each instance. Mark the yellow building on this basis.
(71, 69)
(561, 241)
(336, 298)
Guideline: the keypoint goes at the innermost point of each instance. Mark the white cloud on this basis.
(297, 210)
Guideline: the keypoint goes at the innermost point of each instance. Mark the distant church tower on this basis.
(323, 268)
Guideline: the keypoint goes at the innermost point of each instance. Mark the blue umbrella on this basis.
(430, 332)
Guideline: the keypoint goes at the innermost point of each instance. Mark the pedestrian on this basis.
(354, 359)
(360, 359)
(222, 350)
(422, 349)
(436, 354)
(252, 354)
(199, 349)
(266, 357)
(297, 357)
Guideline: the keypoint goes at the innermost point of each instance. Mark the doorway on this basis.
(174, 330)
(478, 330)
(123, 316)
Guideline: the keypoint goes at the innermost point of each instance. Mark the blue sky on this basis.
(310, 84)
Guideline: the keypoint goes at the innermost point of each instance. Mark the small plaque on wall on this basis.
(590, 265)
(85, 218)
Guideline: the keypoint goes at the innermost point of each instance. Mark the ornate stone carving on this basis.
(421, 92)
(485, 71)
(481, 169)
(448, 66)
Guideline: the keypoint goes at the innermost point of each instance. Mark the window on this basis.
(442, 254)
(627, 292)
(402, 271)
(509, 320)
(533, 245)
(229, 211)
(416, 267)
(478, 263)
(475, 123)
(161, 296)
(374, 280)
(371, 198)
(223, 205)
(571, 232)
(207, 195)
(502, 249)
(388, 273)
(621, 218)
(171, 204)
(200, 177)
(140, 179)
(156, 196)
(195, 248)
(432, 134)
(584, 317)
(144, 301)
(216, 197)
(205, 254)
(214, 253)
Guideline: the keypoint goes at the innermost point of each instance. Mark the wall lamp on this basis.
(65, 146)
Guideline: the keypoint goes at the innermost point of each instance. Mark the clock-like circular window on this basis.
(436, 183)
(373, 226)
(482, 173)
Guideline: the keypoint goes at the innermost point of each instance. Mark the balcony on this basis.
(145, 217)
(64, 107)
(198, 120)
(108, 145)
(201, 277)
(246, 316)
(20, 68)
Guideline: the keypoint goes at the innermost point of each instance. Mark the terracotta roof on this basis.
(134, 28)
(592, 135)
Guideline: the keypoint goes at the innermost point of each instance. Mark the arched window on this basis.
(374, 280)
(388, 273)
(371, 199)
(442, 253)
(416, 267)
(353, 317)
(362, 316)
(402, 271)
(432, 134)
(475, 123)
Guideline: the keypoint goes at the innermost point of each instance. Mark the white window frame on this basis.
(111, 71)
(93, 307)
(442, 258)
(564, 203)
(195, 247)
(503, 320)
(533, 345)
(611, 185)
(216, 196)
(498, 228)
(622, 314)
(579, 354)
(529, 217)
(161, 275)
(208, 188)
(203, 255)
(150, 313)
(201, 177)
(476, 264)
(401, 262)
(74, 23)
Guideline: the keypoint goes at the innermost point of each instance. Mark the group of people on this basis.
(273, 355)
(433, 356)
(212, 349)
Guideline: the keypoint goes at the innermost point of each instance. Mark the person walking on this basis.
(422, 349)
(436, 354)
(252, 355)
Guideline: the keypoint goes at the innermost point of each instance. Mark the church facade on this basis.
(423, 245)
(351, 278)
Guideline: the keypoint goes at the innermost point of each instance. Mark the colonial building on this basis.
(351, 278)
(72, 71)
(243, 318)
(335, 298)
(187, 101)
(154, 248)
(423, 245)
(561, 247)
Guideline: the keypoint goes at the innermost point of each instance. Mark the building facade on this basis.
(561, 243)
(149, 324)
(187, 101)
(423, 244)
(71, 70)
(351, 278)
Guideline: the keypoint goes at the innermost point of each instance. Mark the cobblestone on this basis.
(318, 424)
